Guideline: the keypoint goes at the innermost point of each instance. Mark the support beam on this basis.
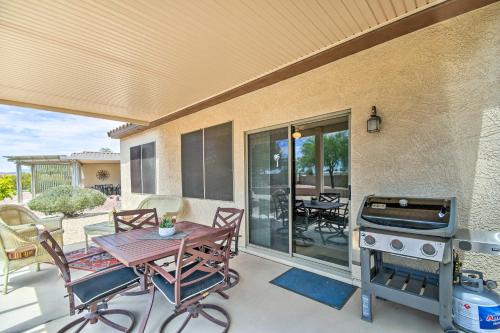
(33, 185)
(19, 184)
(75, 174)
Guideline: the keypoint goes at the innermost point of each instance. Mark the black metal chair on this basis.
(202, 269)
(223, 218)
(300, 226)
(338, 223)
(93, 291)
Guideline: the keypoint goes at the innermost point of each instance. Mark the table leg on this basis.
(143, 282)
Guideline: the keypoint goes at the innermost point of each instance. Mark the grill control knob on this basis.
(369, 240)
(397, 245)
(428, 250)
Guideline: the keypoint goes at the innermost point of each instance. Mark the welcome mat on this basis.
(94, 263)
(317, 287)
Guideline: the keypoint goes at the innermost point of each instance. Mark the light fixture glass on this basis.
(296, 134)
(373, 123)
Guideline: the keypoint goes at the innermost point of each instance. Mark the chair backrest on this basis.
(300, 210)
(57, 254)
(228, 216)
(13, 214)
(329, 197)
(209, 254)
(164, 204)
(135, 219)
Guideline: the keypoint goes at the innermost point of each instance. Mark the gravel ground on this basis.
(73, 226)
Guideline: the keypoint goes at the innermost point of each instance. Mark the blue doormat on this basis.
(317, 287)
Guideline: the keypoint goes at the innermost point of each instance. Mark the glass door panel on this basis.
(322, 234)
(268, 189)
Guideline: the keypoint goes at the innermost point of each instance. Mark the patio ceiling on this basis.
(144, 61)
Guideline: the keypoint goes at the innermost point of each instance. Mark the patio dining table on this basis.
(135, 247)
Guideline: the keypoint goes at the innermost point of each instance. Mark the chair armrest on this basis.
(94, 275)
(52, 222)
(166, 275)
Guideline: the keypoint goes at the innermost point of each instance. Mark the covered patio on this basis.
(38, 305)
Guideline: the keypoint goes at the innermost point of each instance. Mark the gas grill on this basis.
(411, 228)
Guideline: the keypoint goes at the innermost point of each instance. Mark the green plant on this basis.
(67, 199)
(166, 222)
(7, 189)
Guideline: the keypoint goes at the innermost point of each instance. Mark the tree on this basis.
(7, 189)
(105, 150)
(335, 147)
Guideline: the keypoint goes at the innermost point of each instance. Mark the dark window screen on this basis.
(149, 168)
(192, 164)
(135, 169)
(218, 148)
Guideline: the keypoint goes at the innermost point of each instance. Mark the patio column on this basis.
(33, 185)
(19, 184)
(75, 174)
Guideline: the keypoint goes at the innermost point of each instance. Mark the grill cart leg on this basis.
(446, 291)
(366, 295)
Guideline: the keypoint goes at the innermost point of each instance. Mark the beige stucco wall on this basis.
(438, 93)
(88, 174)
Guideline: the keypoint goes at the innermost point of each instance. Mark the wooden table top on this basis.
(131, 250)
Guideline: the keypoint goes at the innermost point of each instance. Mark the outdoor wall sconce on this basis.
(373, 123)
(296, 133)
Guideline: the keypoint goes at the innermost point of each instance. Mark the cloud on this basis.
(33, 132)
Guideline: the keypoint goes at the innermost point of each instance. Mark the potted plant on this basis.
(167, 227)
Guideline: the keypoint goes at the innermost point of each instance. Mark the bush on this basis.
(7, 189)
(67, 199)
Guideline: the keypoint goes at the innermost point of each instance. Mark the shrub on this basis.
(67, 199)
(7, 189)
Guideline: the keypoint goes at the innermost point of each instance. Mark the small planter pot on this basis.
(165, 232)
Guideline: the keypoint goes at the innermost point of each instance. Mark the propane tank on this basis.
(476, 308)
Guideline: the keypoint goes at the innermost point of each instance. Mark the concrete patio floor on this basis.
(36, 303)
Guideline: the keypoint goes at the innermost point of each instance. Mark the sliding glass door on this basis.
(286, 179)
(268, 189)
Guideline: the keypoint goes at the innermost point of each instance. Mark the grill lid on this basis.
(407, 213)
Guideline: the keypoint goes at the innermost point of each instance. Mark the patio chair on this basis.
(338, 223)
(19, 247)
(135, 219)
(18, 217)
(198, 274)
(93, 291)
(164, 204)
(225, 217)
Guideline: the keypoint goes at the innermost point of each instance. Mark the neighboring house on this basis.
(85, 169)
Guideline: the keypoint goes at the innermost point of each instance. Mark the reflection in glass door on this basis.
(321, 226)
(268, 189)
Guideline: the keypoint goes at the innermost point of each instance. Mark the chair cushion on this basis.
(168, 289)
(103, 285)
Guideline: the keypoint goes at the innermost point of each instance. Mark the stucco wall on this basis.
(438, 93)
(88, 174)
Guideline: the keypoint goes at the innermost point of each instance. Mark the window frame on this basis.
(141, 169)
(203, 162)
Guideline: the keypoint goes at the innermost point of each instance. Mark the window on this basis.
(143, 168)
(207, 163)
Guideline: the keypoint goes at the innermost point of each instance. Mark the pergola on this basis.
(66, 168)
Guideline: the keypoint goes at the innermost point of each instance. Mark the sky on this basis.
(26, 131)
